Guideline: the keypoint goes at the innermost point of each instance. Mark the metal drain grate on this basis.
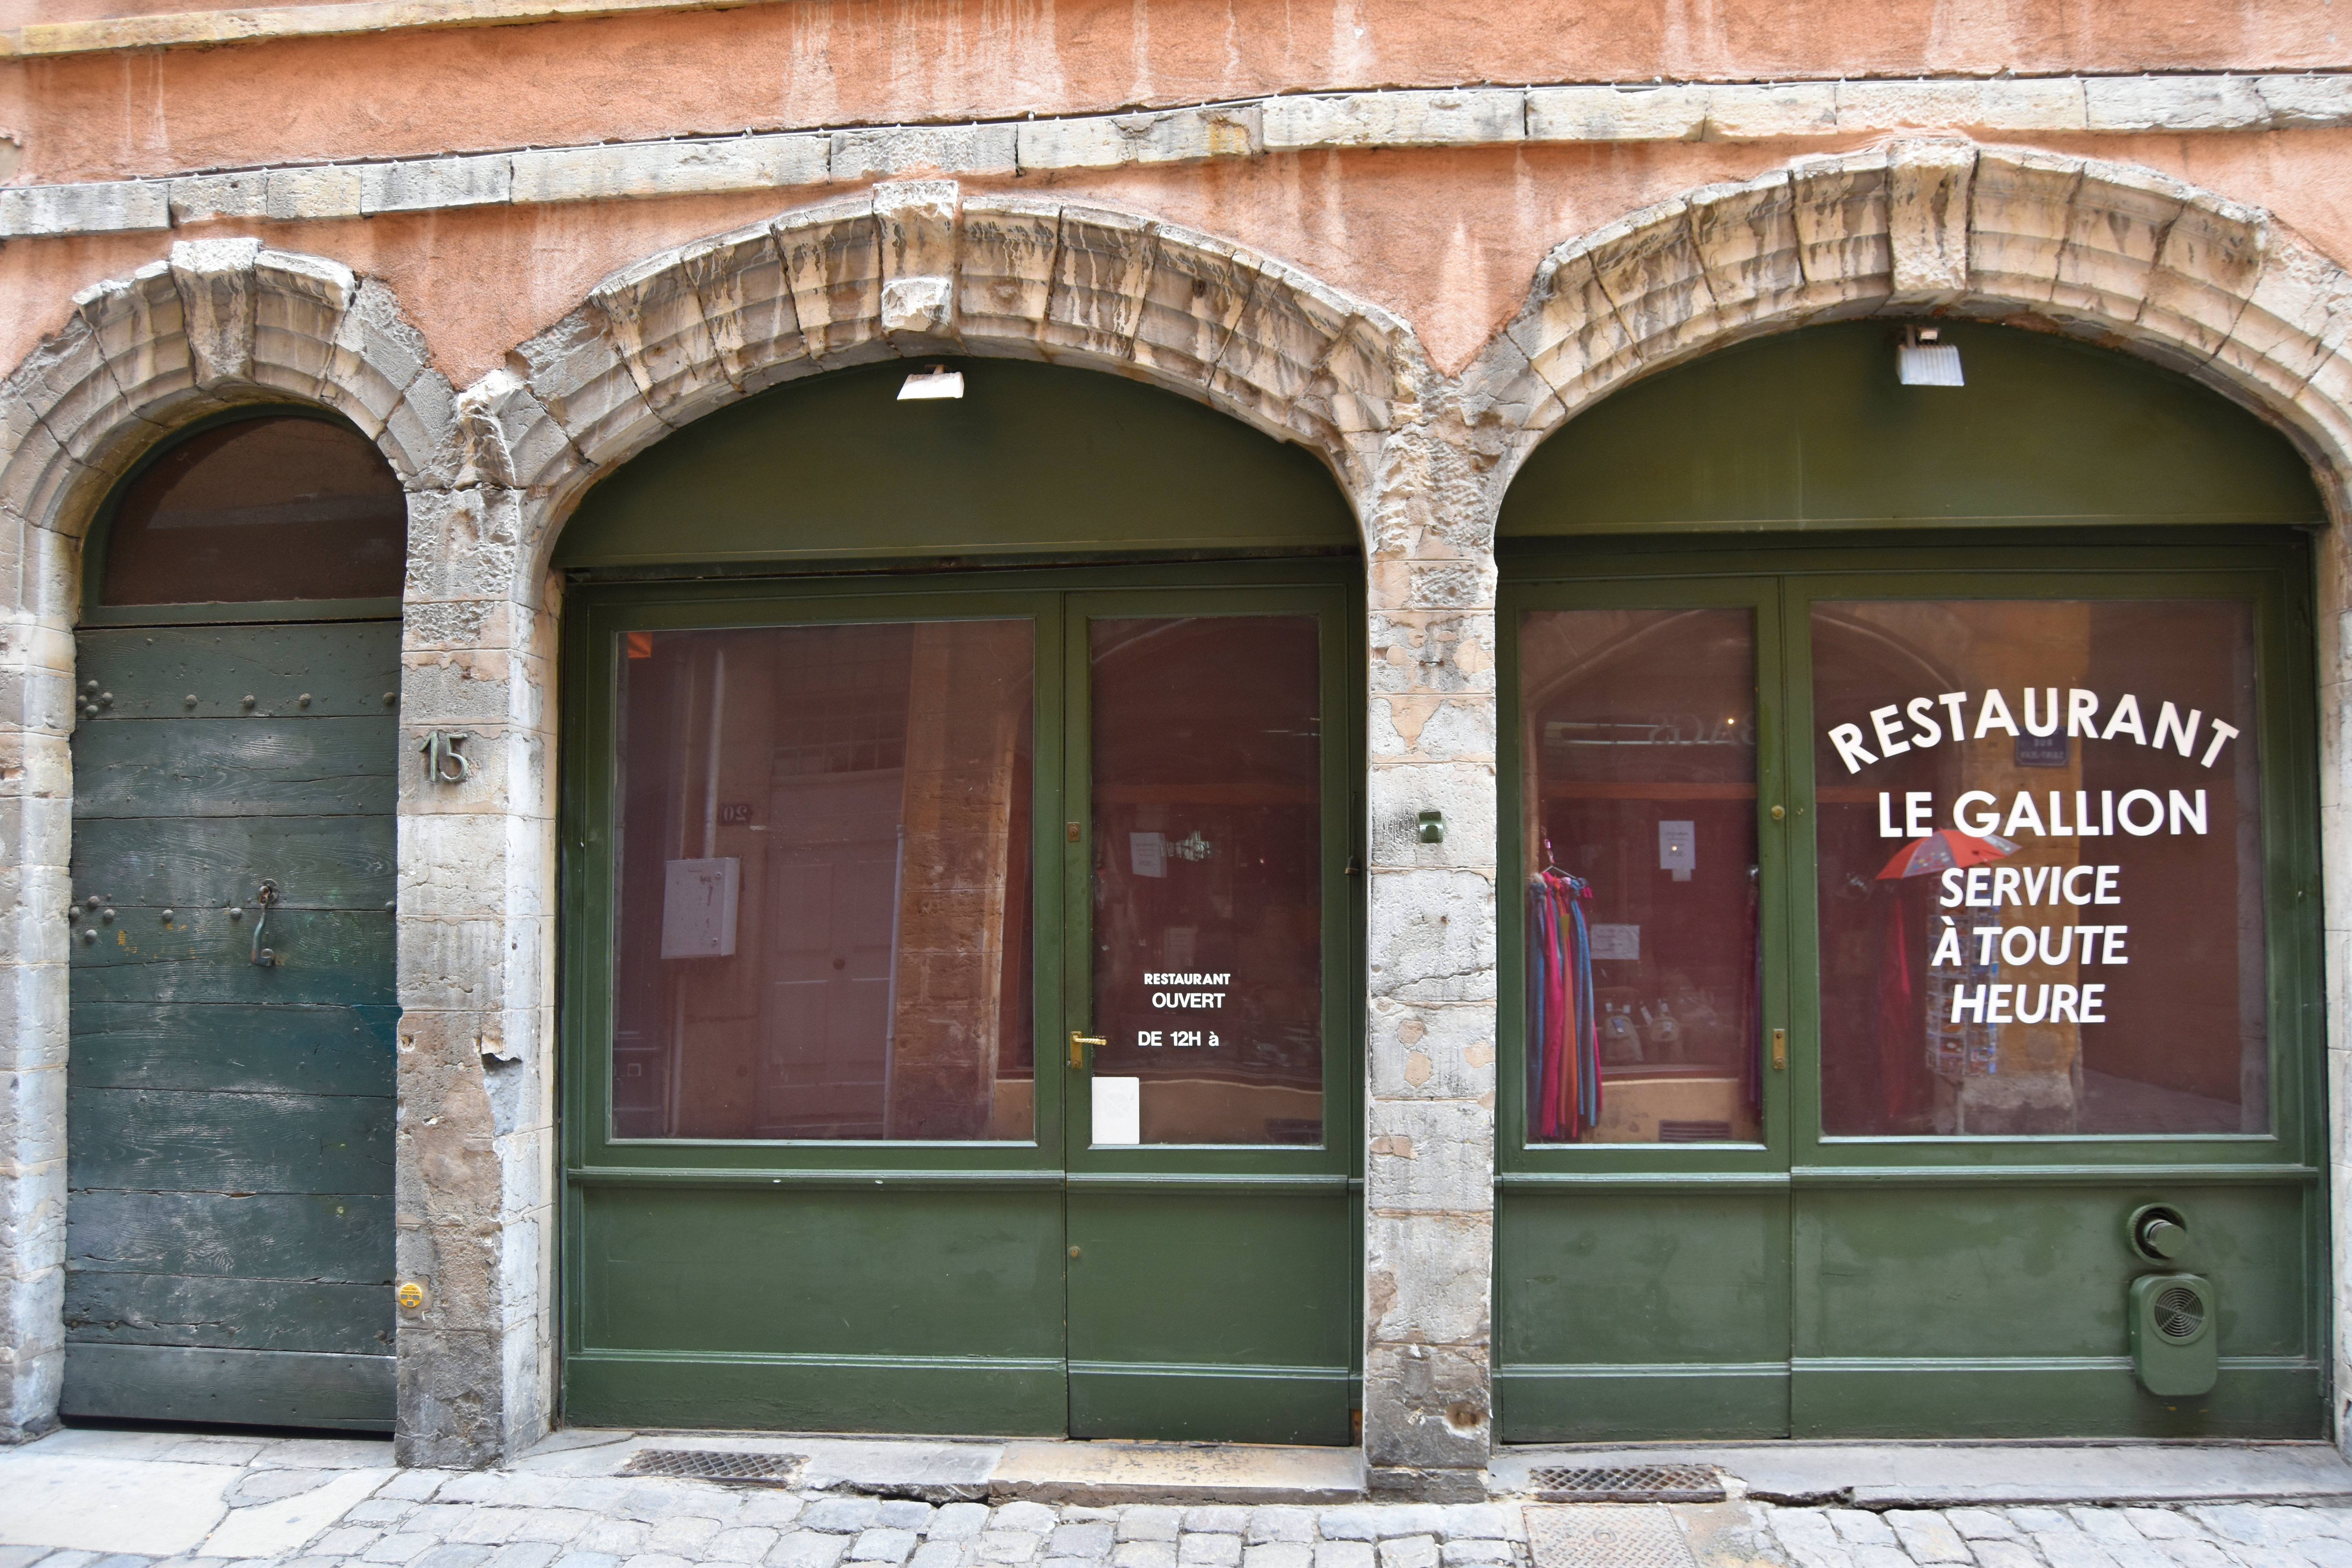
(717, 1465)
(1629, 1483)
(1606, 1535)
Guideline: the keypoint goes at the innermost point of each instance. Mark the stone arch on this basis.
(2105, 251)
(217, 323)
(913, 267)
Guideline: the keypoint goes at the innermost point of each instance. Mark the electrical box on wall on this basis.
(2173, 1335)
(698, 908)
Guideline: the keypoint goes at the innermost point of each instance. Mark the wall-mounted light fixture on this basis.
(937, 381)
(1923, 359)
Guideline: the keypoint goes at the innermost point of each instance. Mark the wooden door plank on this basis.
(233, 1313)
(276, 1047)
(234, 767)
(239, 1387)
(190, 862)
(345, 668)
(330, 1238)
(146, 1141)
(323, 957)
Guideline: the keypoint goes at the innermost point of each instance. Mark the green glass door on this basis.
(851, 863)
(2042, 963)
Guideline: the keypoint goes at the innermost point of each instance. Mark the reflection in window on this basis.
(1208, 920)
(279, 506)
(2041, 879)
(825, 879)
(1640, 751)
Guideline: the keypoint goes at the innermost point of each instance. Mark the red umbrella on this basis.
(1944, 848)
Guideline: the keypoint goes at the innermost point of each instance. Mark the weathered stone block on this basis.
(205, 199)
(654, 318)
(1432, 1156)
(1117, 140)
(214, 277)
(669, 168)
(140, 331)
(1927, 220)
(418, 432)
(330, 191)
(1431, 936)
(2314, 103)
(2173, 103)
(1465, 792)
(1842, 223)
(924, 149)
(832, 255)
(1427, 1406)
(1005, 272)
(1099, 272)
(580, 377)
(746, 301)
(1458, 117)
(298, 308)
(1616, 113)
(424, 184)
(1431, 728)
(1432, 651)
(110, 206)
(1437, 1051)
(2018, 221)
(1763, 112)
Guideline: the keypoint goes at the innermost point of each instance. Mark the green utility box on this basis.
(2173, 1344)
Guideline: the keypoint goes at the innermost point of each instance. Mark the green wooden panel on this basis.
(345, 668)
(827, 1273)
(1218, 1277)
(234, 767)
(1644, 1277)
(816, 1393)
(1810, 430)
(1212, 1404)
(337, 1238)
(235, 1388)
(191, 862)
(1033, 457)
(235, 1313)
(147, 1140)
(323, 957)
(2026, 1270)
(281, 1048)
(2053, 1398)
(1634, 1405)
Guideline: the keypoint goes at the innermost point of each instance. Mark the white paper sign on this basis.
(1617, 942)
(699, 900)
(1678, 848)
(1148, 853)
(1119, 1111)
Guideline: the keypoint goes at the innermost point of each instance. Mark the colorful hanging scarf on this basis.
(1564, 1067)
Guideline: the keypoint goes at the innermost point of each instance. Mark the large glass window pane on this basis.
(1208, 919)
(1639, 785)
(825, 883)
(2041, 868)
(272, 508)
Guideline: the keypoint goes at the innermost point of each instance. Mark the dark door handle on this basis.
(266, 897)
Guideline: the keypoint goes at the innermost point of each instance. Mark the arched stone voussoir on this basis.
(913, 267)
(2102, 250)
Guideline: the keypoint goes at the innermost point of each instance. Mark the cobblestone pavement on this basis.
(333, 1505)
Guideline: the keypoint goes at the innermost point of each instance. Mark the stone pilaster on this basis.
(1430, 1161)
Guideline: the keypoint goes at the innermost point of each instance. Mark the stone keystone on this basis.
(214, 277)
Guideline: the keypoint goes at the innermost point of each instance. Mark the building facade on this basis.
(668, 664)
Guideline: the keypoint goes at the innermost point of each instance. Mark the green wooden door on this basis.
(1869, 1187)
(845, 865)
(231, 1119)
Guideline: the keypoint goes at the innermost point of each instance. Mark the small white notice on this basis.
(1119, 1111)
(1678, 848)
(698, 908)
(1616, 944)
(1148, 853)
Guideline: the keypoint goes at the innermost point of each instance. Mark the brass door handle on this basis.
(1779, 1050)
(1079, 1044)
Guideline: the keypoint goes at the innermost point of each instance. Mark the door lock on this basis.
(1779, 1050)
(1079, 1044)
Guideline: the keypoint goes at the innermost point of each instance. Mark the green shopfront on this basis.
(963, 897)
(1913, 959)
(1908, 936)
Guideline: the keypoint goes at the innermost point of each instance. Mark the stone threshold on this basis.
(1867, 1475)
(1881, 1476)
(942, 1470)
